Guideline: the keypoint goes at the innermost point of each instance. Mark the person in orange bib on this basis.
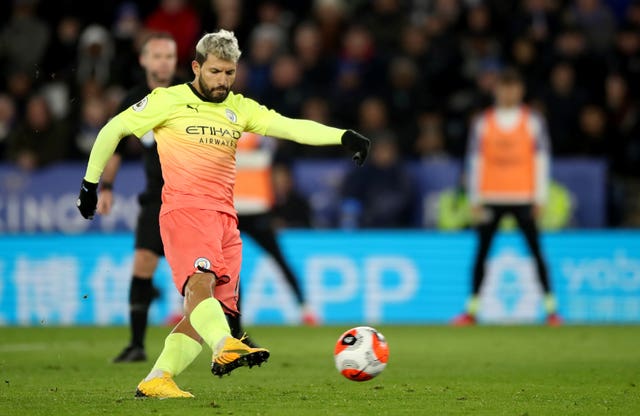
(508, 173)
(253, 199)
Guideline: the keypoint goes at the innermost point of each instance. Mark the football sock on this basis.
(179, 351)
(208, 319)
(140, 297)
(473, 305)
(550, 304)
(234, 325)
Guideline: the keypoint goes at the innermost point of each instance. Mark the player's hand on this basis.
(536, 211)
(478, 214)
(105, 201)
(88, 199)
(358, 144)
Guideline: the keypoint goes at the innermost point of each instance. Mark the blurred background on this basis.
(411, 74)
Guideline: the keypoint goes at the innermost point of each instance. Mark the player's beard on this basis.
(208, 93)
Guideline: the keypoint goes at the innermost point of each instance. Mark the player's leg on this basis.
(485, 231)
(195, 245)
(235, 324)
(142, 292)
(526, 222)
(187, 246)
(181, 347)
(260, 229)
(225, 359)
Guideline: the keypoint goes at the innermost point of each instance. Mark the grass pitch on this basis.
(432, 371)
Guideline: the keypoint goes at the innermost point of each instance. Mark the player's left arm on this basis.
(316, 134)
(269, 123)
(542, 159)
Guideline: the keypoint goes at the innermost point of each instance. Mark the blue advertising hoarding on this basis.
(44, 200)
(349, 277)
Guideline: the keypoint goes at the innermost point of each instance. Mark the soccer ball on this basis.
(361, 353)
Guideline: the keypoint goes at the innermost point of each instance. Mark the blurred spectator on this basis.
(373, 116)
(290, 209)
(571, 46)
(127, 33)
(223, 14)
(330, 16)
(180, 19)
(20, 86)
(24, 39)
(317, 67)
(267, 41)
(316, 108)
(95, 56)
(94, 115)
(7, 121)
(596, 20)
(536, 21)
(623, 117)
(562, 102)
(385, 19)
(405, 98)
(60, 60)
(632, 15)
(526, 59)
(39, 139)
(359, 70)
(430, 143)
(285, 91)
(381, 193)
(625, 55)
(593, 136)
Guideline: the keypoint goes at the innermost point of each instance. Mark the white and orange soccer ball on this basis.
(361, 353)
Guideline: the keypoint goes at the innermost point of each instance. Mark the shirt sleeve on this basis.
(542, 158)
(473, 162)
(267, 122)
(147, 113)
(104, 146)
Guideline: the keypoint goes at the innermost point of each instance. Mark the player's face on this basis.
(215, 77)
(509, 94)
(159, 58)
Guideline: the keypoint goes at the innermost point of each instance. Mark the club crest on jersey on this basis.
(231, 115)
(202, 263)
(140, 105)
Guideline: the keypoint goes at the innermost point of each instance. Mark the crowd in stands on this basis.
(413, 72)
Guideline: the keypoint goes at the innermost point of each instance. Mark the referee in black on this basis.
(158, 58)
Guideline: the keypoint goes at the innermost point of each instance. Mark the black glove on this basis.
(88, 199)
(358, 144)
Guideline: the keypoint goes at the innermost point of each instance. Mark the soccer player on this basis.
(196, 127)
(158, 57)
(508, 173)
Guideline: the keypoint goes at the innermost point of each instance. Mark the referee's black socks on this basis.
(140, 296)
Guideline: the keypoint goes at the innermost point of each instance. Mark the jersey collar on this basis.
(197, 94)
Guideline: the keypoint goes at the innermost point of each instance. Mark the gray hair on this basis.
(221, 44)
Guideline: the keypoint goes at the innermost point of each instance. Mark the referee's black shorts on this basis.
(148, 228)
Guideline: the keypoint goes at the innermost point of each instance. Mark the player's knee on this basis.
(145, 262)
(200, 285)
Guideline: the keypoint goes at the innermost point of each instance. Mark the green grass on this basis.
(432, 371)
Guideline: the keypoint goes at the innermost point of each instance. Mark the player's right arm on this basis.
(143, 116)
